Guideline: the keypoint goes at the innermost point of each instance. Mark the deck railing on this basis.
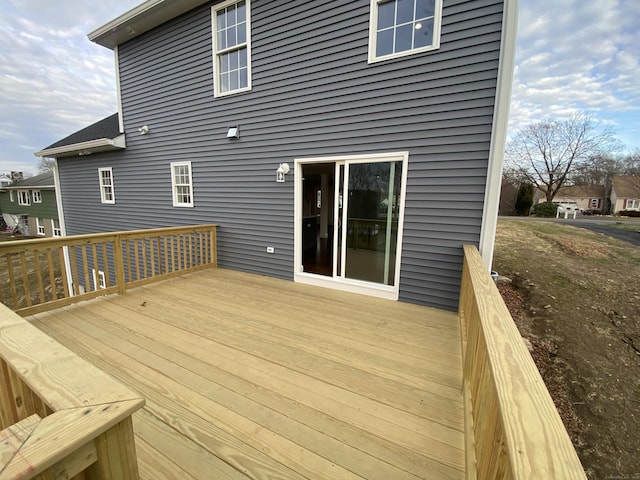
(60, 417)
(35, 277)
(513, 429)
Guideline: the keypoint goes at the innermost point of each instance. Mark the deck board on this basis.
(253, 377)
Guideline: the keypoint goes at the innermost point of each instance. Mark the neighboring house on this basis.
(585, 197)
(353, 145)
(30, 204)
(625, 194)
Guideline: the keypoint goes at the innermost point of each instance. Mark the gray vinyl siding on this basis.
(313, 94)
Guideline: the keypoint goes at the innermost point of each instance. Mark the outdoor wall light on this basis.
(282, 170)
(144, 130)
(233, 132)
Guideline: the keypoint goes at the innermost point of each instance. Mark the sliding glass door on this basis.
(351, 220)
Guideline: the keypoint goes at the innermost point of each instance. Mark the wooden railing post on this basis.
(118, 260)
(214, 248)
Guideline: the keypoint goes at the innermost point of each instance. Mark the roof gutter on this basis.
(84, 148)
(141, 19)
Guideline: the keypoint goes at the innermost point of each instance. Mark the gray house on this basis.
(347, 144)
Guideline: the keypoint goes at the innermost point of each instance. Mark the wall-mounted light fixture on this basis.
(233, 132)
(144, 130)
(282, 170)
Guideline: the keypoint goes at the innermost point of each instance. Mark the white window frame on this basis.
(40, 227)
(102, 282)
(11, 196)
(24, 198)
(633, 203)
(174, 185)
(57, 231)
(104, 187)
(217, 92)
(389, 292)
(36, 196)
(373, 24)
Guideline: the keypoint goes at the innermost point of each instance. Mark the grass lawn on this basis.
(575, 296)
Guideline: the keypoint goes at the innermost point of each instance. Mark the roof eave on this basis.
(140, 19)
(84, 148)
(28, 187)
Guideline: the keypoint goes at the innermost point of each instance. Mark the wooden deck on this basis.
(252, 377)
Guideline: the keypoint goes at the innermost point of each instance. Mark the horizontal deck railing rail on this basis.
(60, 417)
(35, 277)
(513, 428)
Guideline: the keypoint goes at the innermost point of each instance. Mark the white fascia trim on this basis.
(120, 21)
(116, 143)
(499, 131)
(140, 19)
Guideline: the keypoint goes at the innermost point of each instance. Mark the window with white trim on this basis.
(633, 203)
(11, 197)
(403, 27)
(24, 198)
(231, 47)
(55, 226)
(37, 196)
(107, 193)
(40, 226)
(594, 203)
(181, 184)
(102, 282)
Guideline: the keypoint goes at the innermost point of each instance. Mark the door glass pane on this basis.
(373, 204)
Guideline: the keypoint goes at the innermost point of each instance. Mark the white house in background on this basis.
(625, 194)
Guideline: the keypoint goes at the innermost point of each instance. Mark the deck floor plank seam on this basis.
(267, 392)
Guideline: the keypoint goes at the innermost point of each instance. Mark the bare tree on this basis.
(545, 152)
(596, 170)
(46, 164)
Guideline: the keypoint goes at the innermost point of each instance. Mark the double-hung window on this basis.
(11, 197)
(24, 198)
(403, 27)
(37, 196)
(40, 226)
(633, 203)
(55, 225)
(181, 184)
(232, 47)
(107, 193)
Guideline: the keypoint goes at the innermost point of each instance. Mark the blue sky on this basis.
(572, 55)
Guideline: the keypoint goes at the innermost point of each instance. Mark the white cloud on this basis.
(577, 55)
(53, 80)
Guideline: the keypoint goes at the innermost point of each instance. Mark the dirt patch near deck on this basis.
(575, 295)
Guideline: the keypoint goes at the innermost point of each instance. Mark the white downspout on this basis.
(63, 225)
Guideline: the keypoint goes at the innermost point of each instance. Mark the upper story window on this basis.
(403, 27)
(23, 197)
(107, 194)
(37, 196)
(232, 47)
(181, 184)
